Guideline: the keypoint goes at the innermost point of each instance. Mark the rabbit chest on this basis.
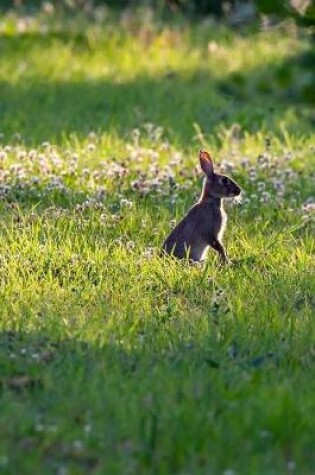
(223, 221)
(217, 219)
(213, 229)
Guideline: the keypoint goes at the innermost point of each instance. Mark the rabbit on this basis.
(205, 222)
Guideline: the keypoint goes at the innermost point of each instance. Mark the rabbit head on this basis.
(217, 186)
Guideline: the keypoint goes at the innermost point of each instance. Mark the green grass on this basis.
(113, 359)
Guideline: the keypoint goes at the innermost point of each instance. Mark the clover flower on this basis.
(308, 206)
(32, 154)
(244, 162)
(265, 197)
(261, 186)
(3, 155)
(91, 147)
(126, 203)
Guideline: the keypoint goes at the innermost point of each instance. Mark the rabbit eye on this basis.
(224, 180)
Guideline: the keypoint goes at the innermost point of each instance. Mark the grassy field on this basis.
(114, 360)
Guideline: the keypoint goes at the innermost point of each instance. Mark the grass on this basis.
(113, 359)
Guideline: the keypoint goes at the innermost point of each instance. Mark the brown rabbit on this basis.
(204, 224)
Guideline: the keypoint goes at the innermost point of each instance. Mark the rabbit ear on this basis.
(206, 163)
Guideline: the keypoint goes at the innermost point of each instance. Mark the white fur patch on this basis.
(204, 254)
(223, 223)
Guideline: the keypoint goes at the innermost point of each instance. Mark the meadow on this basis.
(113, 359)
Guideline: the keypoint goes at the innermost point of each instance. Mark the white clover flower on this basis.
(78, 445)
(244, 162)
(213, 47)
(39, 427)
(165, 146)
(289, 173)
(157, 134)
(115, 218)
(288, 156)
(78, 208)
(135, 136)
(32, 154)
(91, 147)
(148, 126)
(21, 155)
(62, 470)
(3, 156)
(229, 471)
(263, 159)
(154, 154)
(279, 185)
(85, 172)
(227, 166)
(5, 189)
(265, 197)
(136, 156)
(153, 169)
(92, 135)
(168, 172)
(126, 203)
(156, 182)
(252, 175)
(176, 160)
(261, 185)
(145, 190)
(130, 245)
(100, 193)
(291, 465)
(88, 428)
(308, 208)
(15, 167)
(56, 160)
(56, 181)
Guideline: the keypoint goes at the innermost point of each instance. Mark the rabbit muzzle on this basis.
(237, 191)
(234, 190)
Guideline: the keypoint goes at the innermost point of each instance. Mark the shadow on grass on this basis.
(96, 407)
(258, 100)
(66, 391)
